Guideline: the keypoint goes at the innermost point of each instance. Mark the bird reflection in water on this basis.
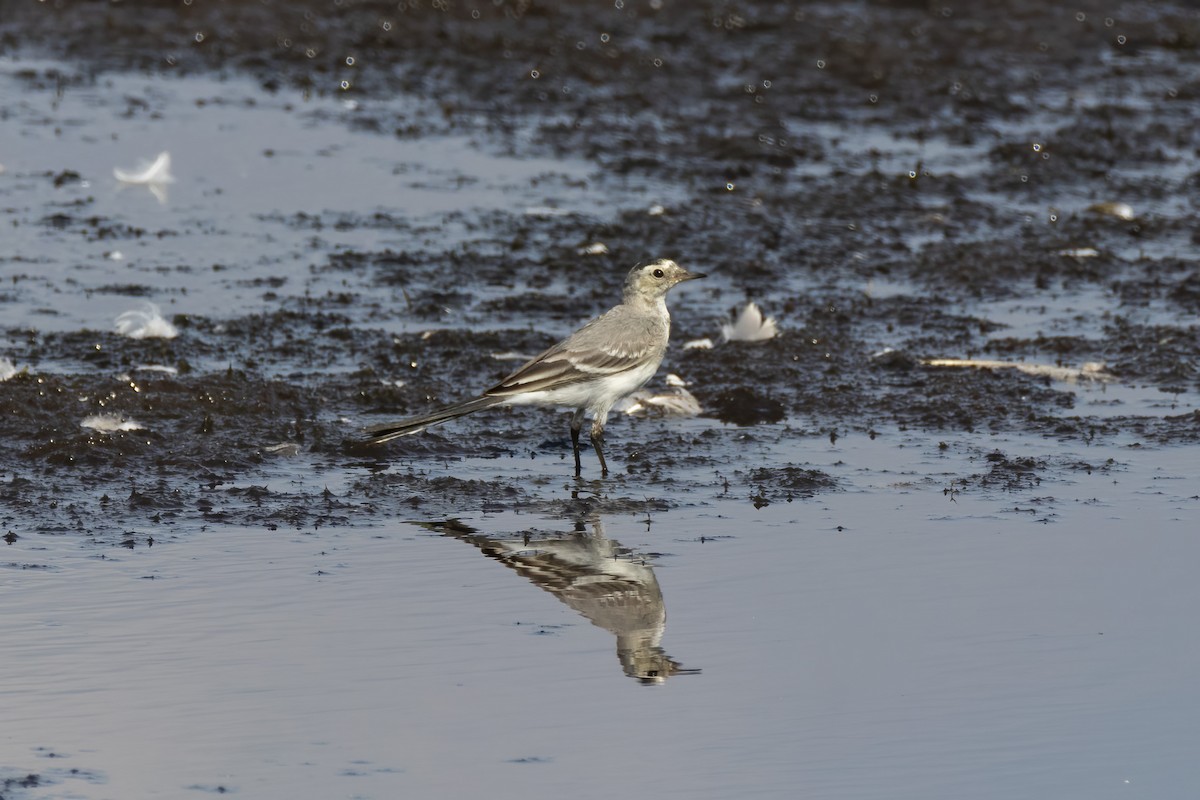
(609, 584)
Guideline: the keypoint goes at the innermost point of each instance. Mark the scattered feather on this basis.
(545, 211)
(594, 249)
(110, 423)
(8, 369)
(147, 173)
(675, 380)
(1079, 252)
(749, 325)
(154, 176)
(157, 368)
(115, 255)
(283, 449)
(145, 323)
(1119, 210)
(699, 344)
(1089, 371)
(398, 383)
(674, 402)
(656, 210)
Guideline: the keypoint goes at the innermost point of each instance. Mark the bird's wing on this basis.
(608, 345)
(564, 365)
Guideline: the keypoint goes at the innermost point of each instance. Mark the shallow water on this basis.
(893, 640)
(265, 186)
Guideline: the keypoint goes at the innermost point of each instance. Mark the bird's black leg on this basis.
(576, 427)
(597, 442)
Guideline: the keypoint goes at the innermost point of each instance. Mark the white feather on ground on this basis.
(110, 423)
(7, 369)
(511, 355)
(1089, 371)
(676, 401)
(749, 325)
(145, 323)
(147, 173)
(1122, 211)
(155, 176)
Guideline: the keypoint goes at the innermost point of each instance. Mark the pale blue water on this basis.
(245, 164)
(888, 641)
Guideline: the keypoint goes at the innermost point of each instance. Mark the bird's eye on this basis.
(658, 273)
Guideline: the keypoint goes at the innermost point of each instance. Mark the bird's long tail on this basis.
(377, 434)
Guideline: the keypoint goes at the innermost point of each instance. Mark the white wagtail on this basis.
(609, 584)
(607, 359)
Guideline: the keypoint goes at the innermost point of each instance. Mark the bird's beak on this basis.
(691, 276)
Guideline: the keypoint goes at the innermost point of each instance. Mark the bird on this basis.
(611, 585)
(607, 359)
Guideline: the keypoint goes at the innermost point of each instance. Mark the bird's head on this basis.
(652, 281)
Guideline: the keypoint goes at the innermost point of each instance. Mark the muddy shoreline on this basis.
(882, 180)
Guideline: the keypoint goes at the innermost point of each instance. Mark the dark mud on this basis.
(15, 784)
(881, 178)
